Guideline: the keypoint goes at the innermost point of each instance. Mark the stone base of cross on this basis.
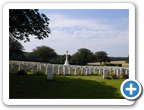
(66, 63)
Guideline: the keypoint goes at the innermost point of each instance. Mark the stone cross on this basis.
(66, 55)
(66, 62)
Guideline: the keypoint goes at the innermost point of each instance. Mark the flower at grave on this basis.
(122, 74)
(125, 75)
(114, 76)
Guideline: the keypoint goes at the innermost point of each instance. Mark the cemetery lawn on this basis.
(64, 87)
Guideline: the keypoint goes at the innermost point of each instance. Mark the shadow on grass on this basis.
(37, 87)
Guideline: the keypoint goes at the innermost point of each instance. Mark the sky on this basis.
(94, 29)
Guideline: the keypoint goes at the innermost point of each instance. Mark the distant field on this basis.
(124, 64)
(23, 61)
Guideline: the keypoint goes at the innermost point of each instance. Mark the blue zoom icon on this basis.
(130, 89)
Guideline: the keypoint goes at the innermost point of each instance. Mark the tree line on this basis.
(47, 54)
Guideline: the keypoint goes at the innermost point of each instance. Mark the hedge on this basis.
(112, 64)
(71, 63)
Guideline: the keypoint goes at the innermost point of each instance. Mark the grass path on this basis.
(64, 87)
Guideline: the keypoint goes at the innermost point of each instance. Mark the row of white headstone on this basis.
(51, 69)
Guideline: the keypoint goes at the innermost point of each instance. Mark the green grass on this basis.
(64, 87)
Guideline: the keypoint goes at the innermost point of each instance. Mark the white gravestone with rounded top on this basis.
(49, 73)
(70, 71)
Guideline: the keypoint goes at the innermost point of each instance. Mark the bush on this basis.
(98, 73)
(109, 76)
(80, 72)
(95, 73)
(118, 64)
(39, 72)
(71, 63)
(104, 64)
(21, 72)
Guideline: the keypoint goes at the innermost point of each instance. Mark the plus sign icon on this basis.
(131, 89)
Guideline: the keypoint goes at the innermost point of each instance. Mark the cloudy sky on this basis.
(95, 29)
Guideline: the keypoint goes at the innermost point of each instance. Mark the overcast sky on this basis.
(98, 30)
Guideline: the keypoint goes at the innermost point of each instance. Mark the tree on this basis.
(101, 56)
(44, 52)
(15, 47)
(108, 59)
(83, 56)
(25, 22)
(127, 59)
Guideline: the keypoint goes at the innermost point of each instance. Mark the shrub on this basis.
(118, 65)
(104, 64)
(109, 76)
(93, 73)
(39, 72)
(38, 69)
(29, 70)
(63, 73)
(80, 72)
(21, 72)
(11, 71)
(71, 63)
(97, 72)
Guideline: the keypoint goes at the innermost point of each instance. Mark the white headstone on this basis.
(25, 69)
(110, 69)
(126, 72)
(54, 70)
(83, 71)
(90, 71)
(70, 71)
(39, 66)
(76, 71)
(95, 70)
(43, 70)
(12, 66)
(34, 69)
(49, 73)
(115, 71)
(104, 74)
(15, 67)
(9, 68)
(87, 71)
(21, 66)
(31, 66)
(28, 67)
(100, 71)
(59, 70)
(118, 73)
(65, 71)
